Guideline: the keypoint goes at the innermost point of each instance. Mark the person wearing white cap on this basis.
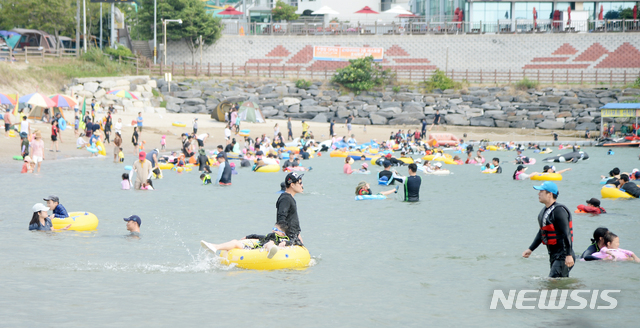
(40, 219)
(552, 169)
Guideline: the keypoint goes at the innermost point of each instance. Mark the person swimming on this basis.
(612, 252)
(597, 242)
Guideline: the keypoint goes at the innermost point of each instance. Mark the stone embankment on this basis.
(545, 108)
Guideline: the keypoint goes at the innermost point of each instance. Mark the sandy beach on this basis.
(156, 125)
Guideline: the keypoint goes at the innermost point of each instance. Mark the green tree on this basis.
(626, 13)
(283, 11)
(361, 74)
(195, 23)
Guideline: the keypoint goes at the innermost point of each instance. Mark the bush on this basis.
(395, 89)
(303, 84)
(526, 84)
(362, 74)
(119, 50)
(439, 80)
(636, 84)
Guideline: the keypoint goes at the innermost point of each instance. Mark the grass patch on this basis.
(303, 84)
(439, 80)
(526, 84)
(163, 104)
(155, 93)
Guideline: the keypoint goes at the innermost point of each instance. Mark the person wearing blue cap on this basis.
(133, 224)
(556, 231)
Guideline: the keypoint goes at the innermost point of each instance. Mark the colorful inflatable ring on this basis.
(244, 133)
(181, 169)
(128, 168)
(406, 160)
(610, 191)
(80, 221)
(256, 259)
(179, 124)
(18, 158)
(369, 197)
(433, 157)
(338, 153)
(233, 156)
(92, 149)
(292, 149)
(62, 124)
(165, 166)
(101, 149)
(492, 148)
(269, 168)
(547, 177)
(13, 134)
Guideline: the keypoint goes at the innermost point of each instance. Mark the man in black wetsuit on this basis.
(411, 184)
(556, 231)
(496, 165)
(629, 187)
(287, 210)
(386, 172)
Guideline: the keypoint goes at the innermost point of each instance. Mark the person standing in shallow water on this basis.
(556, 231)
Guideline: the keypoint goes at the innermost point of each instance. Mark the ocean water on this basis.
(379, 263)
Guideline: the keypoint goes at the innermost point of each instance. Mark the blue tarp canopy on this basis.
(621, 106)
(11, 38)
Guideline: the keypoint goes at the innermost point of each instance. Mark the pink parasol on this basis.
(230, 11)
(366, 10)
(635, 12)
(535, 16)
(568, 16)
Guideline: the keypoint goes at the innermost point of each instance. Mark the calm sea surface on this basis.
(375, 263)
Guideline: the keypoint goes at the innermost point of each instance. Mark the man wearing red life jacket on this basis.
(556, 231)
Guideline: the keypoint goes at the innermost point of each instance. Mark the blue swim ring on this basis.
(370, 197)
(62, 124)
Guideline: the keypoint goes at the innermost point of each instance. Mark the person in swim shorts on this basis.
(270, 242)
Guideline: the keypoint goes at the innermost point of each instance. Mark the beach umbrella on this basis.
(366, 11)
(397, 10)
(122, 94)
(63, 101)
(325, 10)
(230, 11)
(568, 16)
(601, 14)
(6, 100)
(37, 99)
(635, 12)
(535, 17)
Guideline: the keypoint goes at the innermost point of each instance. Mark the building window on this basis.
(524, 10)
(491, 11)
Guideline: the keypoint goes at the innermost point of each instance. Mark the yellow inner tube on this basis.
(179, 124)
(432, 157)
(612, 192)
(256, 259)
(406, 160)
(492, 148)
(101, 150)
(547, 177)
(165, 166)
(338, 153)
(80, 221)
(269, 168)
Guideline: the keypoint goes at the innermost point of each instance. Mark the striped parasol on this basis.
(6, 99)
(63, 101)
(122, 94)
(37, 99)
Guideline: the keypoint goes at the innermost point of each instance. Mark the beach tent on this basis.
(250, 112)
(37, 113)
(221, 109)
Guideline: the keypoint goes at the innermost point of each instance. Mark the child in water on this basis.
(147, 185)
(364, 168)
(611, 252)
(121, 155)
(27, 167)
(126, 185)
(364, 189)
(163, 142)
(270, 242)
(206, 179)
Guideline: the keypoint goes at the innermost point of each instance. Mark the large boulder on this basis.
(288, 101)
(524, 124)
(482, 121)
(361, 120)
(584, 126)
(377, 119)
(344, 99)
(322, 117)
(192, 109)
(269, 111)
(388, 104)
(456, 119)
(308, 102)
(551, 125)
(394, 110)
(314, 109)
(173, 108)
(404, 121)
(91, 87)
(569, 101)
(194, 101)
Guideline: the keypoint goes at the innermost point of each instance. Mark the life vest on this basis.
(206, 180)
(547, 230)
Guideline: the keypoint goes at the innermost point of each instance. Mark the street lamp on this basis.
(164, 32)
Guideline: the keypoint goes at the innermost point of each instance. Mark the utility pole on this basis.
(78, 28)
(84, 25)
(155, 19)
(113, 25)
(100, 25)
